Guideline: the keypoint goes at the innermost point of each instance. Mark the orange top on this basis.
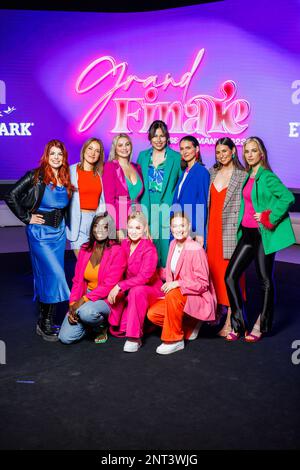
(91, 275)
(90, 189)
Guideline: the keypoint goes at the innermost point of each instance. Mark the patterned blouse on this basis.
(156, 176)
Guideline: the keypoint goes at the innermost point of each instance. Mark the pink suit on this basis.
(112, 267)
(194, 281)
(116, 192)
(139, 290)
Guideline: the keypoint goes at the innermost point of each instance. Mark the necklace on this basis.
(178, 248)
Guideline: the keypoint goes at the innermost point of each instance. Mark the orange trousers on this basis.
(169, 314)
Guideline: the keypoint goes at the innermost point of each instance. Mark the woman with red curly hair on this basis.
(39, 199)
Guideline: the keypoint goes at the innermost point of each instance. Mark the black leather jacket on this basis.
(25, 196)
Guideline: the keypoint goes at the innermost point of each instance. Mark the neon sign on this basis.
(201, 114)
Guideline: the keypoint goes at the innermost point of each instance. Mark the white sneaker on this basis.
(132, 346)
(169, 348)
(195, 331)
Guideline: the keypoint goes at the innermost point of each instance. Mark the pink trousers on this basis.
(128, 319)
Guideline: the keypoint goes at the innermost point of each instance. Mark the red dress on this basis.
(217, 264)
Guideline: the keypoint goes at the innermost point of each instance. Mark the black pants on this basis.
(250, 248)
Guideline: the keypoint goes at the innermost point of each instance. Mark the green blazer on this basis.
(171, 175)
(269, 193)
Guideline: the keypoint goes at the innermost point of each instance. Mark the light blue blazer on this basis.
(74, 214)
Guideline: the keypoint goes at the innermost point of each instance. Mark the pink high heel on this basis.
(232, 336)
(251, 338)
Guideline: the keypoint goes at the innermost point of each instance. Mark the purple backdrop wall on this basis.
(211, 70)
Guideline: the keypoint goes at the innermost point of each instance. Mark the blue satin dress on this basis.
(47, 247)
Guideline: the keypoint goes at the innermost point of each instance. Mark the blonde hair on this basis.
(112, 154)
(98, 167)
(140, 217)
(261, 147)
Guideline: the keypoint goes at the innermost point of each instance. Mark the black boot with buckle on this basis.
(45, 326)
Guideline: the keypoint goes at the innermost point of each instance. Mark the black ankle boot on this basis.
(45, 326)
(55, 327)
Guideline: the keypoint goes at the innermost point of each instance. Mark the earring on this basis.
(233, 156)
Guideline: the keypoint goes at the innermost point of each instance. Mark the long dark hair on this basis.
(235, 158)
(195, 143)
(111, 235)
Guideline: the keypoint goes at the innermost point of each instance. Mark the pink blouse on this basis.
(248, 219)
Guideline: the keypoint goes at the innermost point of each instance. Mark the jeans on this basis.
(90, 314)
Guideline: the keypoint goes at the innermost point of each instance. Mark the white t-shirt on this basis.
(175, 258)
(181, 184)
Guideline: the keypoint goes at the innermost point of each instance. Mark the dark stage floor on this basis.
(212, 395)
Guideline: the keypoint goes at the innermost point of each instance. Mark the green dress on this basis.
(134, 190)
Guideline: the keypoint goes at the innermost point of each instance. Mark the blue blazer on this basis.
(193, 198)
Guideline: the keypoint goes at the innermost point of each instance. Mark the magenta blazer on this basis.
(141, 265)
(116, 193)
(111, 270)
(194, 280)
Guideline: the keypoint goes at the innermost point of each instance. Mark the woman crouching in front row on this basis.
(132, 296)
(100, 265)
(189, 293)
